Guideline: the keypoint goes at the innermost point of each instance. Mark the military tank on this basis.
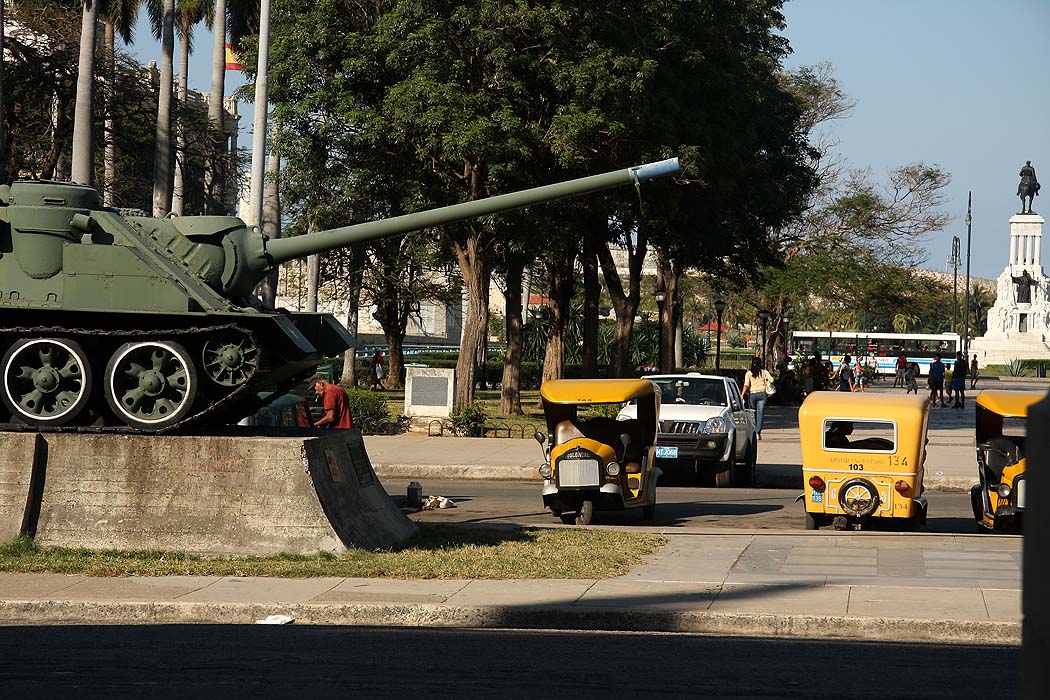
(113, 318)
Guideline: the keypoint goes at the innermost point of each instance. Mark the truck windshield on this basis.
(692, 391)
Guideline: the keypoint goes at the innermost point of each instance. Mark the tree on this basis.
(188, 13)
(855, 240)
(162, 173)
(3, 129)
(118, 17)
(83, 166)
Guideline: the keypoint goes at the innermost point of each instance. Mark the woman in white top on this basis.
(756, 386)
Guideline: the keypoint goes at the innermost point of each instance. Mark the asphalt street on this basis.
(679, 506)
(248, 661)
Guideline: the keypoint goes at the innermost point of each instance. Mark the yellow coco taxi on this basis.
(999, 500)
(862, 459)
(598, 462)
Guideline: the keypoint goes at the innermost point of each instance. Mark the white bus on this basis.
(885, 348)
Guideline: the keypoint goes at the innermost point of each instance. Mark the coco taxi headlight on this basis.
(546, 471)
(715, 425)
(1004, 490)
(612, 468)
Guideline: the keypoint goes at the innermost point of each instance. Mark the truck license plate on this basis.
(817, 497)
(666, 451)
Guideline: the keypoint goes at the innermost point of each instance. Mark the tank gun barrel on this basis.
(285, 249)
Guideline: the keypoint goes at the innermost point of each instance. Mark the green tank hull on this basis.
(113, 318)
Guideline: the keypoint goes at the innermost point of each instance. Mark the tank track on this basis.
(212, 409)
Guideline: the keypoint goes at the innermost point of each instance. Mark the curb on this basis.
(522, 617)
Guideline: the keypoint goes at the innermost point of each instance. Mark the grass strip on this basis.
(436, 552)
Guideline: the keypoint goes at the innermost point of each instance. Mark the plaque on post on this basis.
(429, 391)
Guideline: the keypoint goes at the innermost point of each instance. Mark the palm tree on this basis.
(83, 170)
(187, 14)
(118, 17)
(901, 322)
(162, 145)
(233, 18)
(3, 134)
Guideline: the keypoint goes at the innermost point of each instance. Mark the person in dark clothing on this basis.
(936, 381)
(959, 381)
(845, 374)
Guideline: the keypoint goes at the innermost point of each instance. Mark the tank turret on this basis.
(112, 317)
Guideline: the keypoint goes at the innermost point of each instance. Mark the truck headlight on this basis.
(1004, 490)
(715, 425)
(546, 471)
(612, 468)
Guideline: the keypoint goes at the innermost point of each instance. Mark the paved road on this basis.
(685, 507)
(292, 661)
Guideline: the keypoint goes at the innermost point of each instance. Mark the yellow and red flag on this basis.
(233, 61)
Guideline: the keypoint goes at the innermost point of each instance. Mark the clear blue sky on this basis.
(939, 81)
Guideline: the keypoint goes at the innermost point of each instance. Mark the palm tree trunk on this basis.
(109, 158)
(162, 150)
(3, 132)
(213, 181)
(271, 222)
(178, 194)
(83, 166)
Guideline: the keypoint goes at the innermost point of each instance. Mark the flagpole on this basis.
(969, 221)
(259, 124)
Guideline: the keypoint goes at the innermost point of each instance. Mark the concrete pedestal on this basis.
(1019, 326)
(244, 495)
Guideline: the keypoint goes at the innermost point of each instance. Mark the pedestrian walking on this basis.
(959, 381)
(911, 372)
(845, 375)
(378, 370)
(973, 372)
(756, 391)
(902, 368)
(936, 381)
(859, 379)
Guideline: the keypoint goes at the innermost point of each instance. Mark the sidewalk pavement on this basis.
(873, 586)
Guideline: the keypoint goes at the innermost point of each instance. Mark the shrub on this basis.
(368, 409)
(468, 419)
(1017, 368)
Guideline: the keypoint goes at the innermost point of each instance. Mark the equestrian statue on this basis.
(1028, 188)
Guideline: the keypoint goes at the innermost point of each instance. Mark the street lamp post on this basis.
(661, 297)
(720, 307)
(763, 316)
(953, 262)
(966, 311)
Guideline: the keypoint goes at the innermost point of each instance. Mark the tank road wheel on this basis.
(151, 385)
(46, 381)
(230, 359)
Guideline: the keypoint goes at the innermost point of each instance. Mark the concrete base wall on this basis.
(16, 469)
(217, 495)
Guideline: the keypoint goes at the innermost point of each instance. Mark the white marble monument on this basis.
(1019, 322)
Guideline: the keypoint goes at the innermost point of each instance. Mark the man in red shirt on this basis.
(336, 404)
